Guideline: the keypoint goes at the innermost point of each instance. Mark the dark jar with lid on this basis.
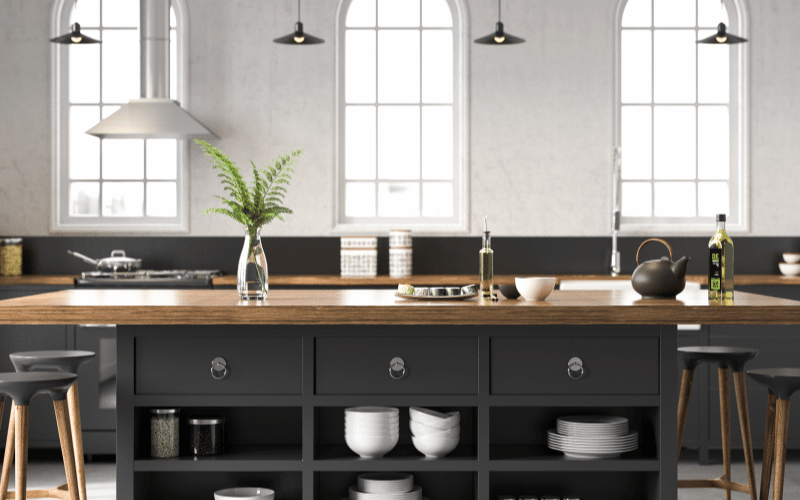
(206, 435)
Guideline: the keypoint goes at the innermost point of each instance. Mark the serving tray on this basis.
(435, 297)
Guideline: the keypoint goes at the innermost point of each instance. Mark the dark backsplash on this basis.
(432, 255)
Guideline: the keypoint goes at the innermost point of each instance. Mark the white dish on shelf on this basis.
(435, 446)
(414, 494)
(592, 425)
(791, 257)
(419, 430)
(789, 269)
(244, 493)
(433, 418)
(371, 446)
(385, 482)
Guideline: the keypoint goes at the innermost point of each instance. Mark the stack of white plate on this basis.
(592, 436)
(371, 431)
(433, 433)
(385, 486)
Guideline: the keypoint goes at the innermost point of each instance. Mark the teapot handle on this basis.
(645, 242)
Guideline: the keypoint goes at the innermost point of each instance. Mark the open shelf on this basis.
(235, 458)
(448, 485)
(536, 458)
(594, 485)
(202, 485)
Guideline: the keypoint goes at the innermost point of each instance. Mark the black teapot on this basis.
(659, 278)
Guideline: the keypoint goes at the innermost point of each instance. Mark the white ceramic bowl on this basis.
(433, 446)
(244, 494)
(433, 418)
(369, 446)
(789, 269)
(535, 288)
(791, 257)
(419, 430)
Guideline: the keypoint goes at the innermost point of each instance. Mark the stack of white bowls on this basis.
(385, 486)
(371, 431)
(433, 433)
(592, 436)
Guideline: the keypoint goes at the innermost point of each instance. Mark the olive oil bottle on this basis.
(487, 262)
(720, 264)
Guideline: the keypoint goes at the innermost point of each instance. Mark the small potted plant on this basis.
(253, 206)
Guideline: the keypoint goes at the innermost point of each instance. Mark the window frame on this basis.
(459, 223)
(739, 185)
(60, 220)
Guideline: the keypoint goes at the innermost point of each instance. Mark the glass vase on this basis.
(251, 278)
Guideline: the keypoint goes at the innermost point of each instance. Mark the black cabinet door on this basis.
(98, 378)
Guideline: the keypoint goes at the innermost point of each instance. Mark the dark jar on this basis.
(206, 435)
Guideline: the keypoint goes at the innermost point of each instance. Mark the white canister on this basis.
(399, 238)
(359, 262)
(351, 242)
(399, 262)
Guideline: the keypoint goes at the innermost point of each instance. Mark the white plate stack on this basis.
(433, 433)
(592, 436)
(371, 431)
(385, 486)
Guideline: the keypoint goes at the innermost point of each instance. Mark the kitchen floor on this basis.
(101, 484)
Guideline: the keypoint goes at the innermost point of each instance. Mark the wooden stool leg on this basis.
(725, 415)
(781, 434)
(62, 419)
(21, 446)
(683, 404)
(8, 457)
(744, 424)
(77, 437)
(769, 448)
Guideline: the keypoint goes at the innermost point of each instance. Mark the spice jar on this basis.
(11, 257)
(206, 435)
(164, 432)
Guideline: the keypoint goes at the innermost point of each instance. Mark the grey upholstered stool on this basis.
(728, 358)
(53, 361)
(782, 383)
(22, 387)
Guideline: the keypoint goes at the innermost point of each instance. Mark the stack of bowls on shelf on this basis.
(371, 431)
(791, 264)
(385, 486)
(590, 437)
(433, 433)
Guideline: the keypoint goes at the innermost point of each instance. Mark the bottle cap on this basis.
(487, 235)
(721, 217)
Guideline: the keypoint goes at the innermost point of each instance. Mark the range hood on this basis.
(155, 115)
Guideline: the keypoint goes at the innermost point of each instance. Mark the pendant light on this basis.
(499, 37)
(74, 37)
(722, 36)
(298, 37)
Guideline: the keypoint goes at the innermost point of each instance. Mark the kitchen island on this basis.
(297, 359)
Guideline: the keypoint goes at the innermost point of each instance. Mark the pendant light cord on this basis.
(298, 11)
(499, 11)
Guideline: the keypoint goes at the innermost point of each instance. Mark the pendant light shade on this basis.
(74, 37)
(299, 37)
(499, 37)
(722, 37)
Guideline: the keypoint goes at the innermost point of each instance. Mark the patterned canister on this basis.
(359, 256)
(400, 254)
(11, 257)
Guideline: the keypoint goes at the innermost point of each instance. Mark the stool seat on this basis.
(732, 357)
(59, 361)
(24, 386)
(783, 382)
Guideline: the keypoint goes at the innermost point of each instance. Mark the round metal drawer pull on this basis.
(219, 365)
(397, 365)
(575, 365)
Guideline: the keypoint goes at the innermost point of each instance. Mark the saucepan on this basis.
(118, 262)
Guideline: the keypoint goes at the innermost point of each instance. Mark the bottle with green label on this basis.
(720, 264)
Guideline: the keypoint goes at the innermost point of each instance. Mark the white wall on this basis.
(541, 123)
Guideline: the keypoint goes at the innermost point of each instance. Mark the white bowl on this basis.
(535, 288)
(419, 430)
(244, 494)
(371, 410)
(433, 446)
(369, 446)
(433, 418)
(791, 257)
(372, 435)
(789, 269)
(385, 482)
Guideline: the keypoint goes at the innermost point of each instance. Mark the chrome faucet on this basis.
(616, 196)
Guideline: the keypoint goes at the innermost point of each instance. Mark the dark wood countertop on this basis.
(353, 306)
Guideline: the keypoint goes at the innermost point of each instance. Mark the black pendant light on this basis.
(298, 37)
(74, 37)
(499, 37)
(722, 36)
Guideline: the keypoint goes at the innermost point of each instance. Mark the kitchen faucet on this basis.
(615, 211)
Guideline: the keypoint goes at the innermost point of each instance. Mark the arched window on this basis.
(681, 116)
(113, 185)
(401, 89)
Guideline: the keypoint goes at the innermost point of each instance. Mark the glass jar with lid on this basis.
(206, 435)
(11, 256)
(164, 432)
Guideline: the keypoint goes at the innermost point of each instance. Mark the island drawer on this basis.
(610, 365)
(362, 365)
(253, 365)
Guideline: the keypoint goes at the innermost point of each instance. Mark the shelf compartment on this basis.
(446, 485)
(520, 434)
(235, 458)
(541, 458)
(202, 485)
(597, 485)
(330, 442)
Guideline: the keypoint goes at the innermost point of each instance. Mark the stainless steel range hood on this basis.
(155, 115)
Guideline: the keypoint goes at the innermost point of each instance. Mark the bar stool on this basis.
(22, 387)
(62, 362)
(782, 383)
(729, 358)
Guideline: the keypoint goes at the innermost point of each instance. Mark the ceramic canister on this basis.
(400, 253)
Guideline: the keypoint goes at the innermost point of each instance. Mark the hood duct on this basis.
(155, 115)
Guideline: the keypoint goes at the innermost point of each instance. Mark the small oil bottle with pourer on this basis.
(720, 264)
(487, 261)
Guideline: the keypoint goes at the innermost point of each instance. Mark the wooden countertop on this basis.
(353, 306)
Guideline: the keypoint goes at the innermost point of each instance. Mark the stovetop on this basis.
(148, 278)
